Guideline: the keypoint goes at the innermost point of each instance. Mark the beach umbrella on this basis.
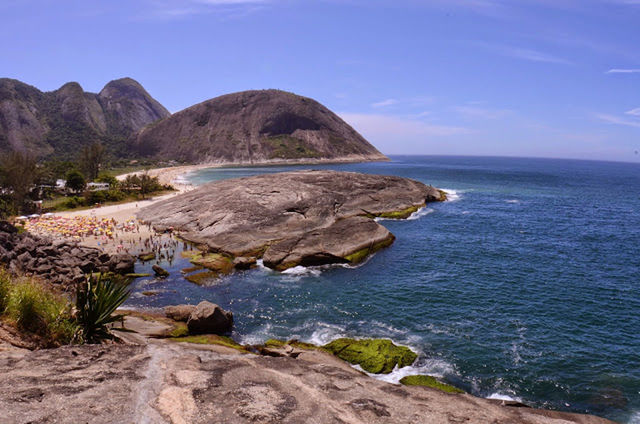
(48, 214)
(22, 217)
(35, 215)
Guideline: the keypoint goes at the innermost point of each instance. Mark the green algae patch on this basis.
(212, 339)
(180, 329)
(443, 195)
(276, 344)
(201, 277)
(146, 257)
(401, 214)
(213, 261)
(360, 255)
(190, 253)
(190, 269)
(376, 356)
(428, 381)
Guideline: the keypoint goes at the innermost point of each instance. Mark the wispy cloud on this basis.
(481, 113)
(390, 127)
(612, 119)
(385, 103)
(173, 9)
(524, 53)
(634, 112)
(623, 71)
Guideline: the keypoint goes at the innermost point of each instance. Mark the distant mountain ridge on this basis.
(58, 123)
(253, 127)
(249, 127)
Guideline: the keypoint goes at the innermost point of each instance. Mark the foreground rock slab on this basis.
(293, 218)
(161, 382)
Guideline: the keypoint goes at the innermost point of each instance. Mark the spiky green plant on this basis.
(96, 301)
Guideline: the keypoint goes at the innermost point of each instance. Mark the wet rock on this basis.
(159, 271)
(244, 262)
(377, 356)
(209, 318)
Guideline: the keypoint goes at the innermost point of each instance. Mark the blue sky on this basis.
(550, 78)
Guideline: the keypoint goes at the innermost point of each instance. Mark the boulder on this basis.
(179, 312)
(122, 263)
(159, 271)
(209, 318)
(6, 227)
(243, 262)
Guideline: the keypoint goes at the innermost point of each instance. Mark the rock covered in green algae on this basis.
(376, 356)
(428, 381)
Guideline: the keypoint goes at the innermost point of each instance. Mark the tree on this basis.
(75, 181)
(147, 184)
(90, 159)
(18, 176)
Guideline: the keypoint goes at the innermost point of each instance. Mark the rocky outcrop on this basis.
(179, 313)
(59, 123)
(57, 262)
(209, 318)
(252, 127)
(292, 218)
(163, 382)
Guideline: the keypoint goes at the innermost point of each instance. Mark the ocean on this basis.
(524, 285)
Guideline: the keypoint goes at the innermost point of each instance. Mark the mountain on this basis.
(263, 126)
(58, 123)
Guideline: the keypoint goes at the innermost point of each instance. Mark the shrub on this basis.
(115, 195)
(36, 310)
(5, 287)
(93, 197)
(96, 301)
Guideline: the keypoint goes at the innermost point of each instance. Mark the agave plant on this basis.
(96, 301)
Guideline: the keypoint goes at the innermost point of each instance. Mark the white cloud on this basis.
(385, 103)
(623, 71)
(612, 119)
(634, 112)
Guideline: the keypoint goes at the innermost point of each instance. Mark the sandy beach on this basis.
(124, 233)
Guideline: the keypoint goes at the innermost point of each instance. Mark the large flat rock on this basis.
(182, 384)
(293, 218)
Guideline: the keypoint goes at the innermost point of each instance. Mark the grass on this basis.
(428, 381)
(25, 303)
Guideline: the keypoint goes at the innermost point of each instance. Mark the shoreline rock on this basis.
(56, 261)
(291, 218)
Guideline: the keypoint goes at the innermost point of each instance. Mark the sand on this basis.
(124, 212)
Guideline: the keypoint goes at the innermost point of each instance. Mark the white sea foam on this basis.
(634, 418)
(502, 396)
(326, 333)
(434, 367)
(512, 201)
(303, 270)
(452, 195)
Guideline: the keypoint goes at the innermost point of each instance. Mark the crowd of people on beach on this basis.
(79, 228)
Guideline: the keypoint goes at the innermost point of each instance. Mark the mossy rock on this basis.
(190, 269)
(443, 195)
(180, 329)
(190, 253)
(401, 214)
(146, 257)
(362, 254)
(376, 356)
(212, 339)
(275, 343)
(200, 278)
(428, 381)
(213, 261)
(150, 293)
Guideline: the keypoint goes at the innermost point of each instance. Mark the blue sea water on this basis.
(526, 284)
